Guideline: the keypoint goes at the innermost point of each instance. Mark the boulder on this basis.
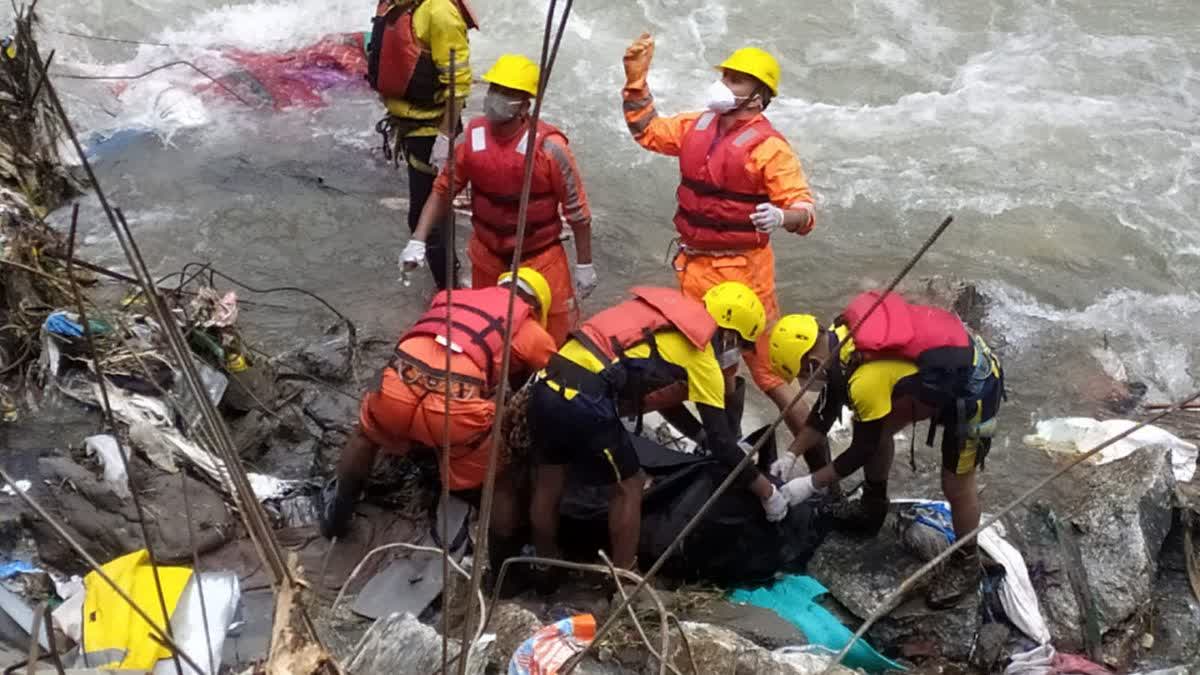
(512, 625)
(330, 357)
(761, 626)
(1094, 555)
(1175, 627)
(400, 644)
(106, 524)
(861, 573)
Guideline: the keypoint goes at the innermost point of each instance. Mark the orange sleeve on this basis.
(567, 181)
(532, 347)
(783, 176)
(441, 184)
(652, 131)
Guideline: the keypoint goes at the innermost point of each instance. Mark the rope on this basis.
(172, 64)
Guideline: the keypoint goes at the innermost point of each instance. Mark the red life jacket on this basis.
(398, 64)
(608, 334)
(496, 170)
(477, 325)
(926, 336)
(716, 194)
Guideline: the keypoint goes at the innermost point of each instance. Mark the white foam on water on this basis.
(1150, 337)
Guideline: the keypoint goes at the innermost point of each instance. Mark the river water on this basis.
(1062, 135)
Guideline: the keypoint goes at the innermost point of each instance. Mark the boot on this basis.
(958, 577)
(866, 515)
(338, 499)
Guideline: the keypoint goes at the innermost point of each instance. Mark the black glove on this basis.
(337, 509)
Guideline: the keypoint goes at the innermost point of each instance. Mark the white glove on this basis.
(766, 217)
(413, 255)
(776, 506)
(585, 280)
(441, 152)
(782, 468)
(799, 489)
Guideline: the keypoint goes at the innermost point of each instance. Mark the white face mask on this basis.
(720, 98)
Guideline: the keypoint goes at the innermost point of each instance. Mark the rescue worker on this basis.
(408, 63)
(740, 182)
(408, 411)
(616, 363)
(905, 363)
(491, 158)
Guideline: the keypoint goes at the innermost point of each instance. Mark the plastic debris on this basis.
(22, 485)
(108, 451)
(1080, 434)
(550, 647)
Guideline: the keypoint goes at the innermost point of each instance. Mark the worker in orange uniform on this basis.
(408, 64)
(491, 157)
(409, 409)
(740, 181)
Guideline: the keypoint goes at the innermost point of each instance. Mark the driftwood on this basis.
(292, 652)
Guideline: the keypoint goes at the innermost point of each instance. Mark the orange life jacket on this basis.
(716, 194)
(900, 330)
(496, 169)
(477, 325)
(608, 334)
(398, 64)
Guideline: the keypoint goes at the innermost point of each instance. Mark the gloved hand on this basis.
(766, 217)
(776, 506)
(782, 468)
(413, 255)
(336, 511)
(637, 61)
(798, 489)
(585, 280)
(441, 151)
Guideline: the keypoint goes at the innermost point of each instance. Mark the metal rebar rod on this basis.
(489, 483)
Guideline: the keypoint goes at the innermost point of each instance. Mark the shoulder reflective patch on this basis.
(523, 144)
(705, 120)
(478, 139)
(744, 137)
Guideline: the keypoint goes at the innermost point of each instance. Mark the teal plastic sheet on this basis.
(794, 598)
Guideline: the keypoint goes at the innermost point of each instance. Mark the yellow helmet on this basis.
(736, 307)
(756, 63)
(532, 282)
(515, 72)
(791, 338)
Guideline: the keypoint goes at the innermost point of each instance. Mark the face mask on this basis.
(721, 98)
(500, 109)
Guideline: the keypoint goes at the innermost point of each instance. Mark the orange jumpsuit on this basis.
(412, 409)
(776, 167)
(555, 162)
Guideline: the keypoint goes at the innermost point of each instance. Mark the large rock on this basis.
(331, 356)
(720, 650)
(1176, 621)
(1095, 557)
(401, 644)
(861, 573)
(106, 524)
(512, 625)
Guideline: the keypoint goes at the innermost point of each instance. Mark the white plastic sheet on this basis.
(221, 596)
(1080, 434)
(108, 451)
